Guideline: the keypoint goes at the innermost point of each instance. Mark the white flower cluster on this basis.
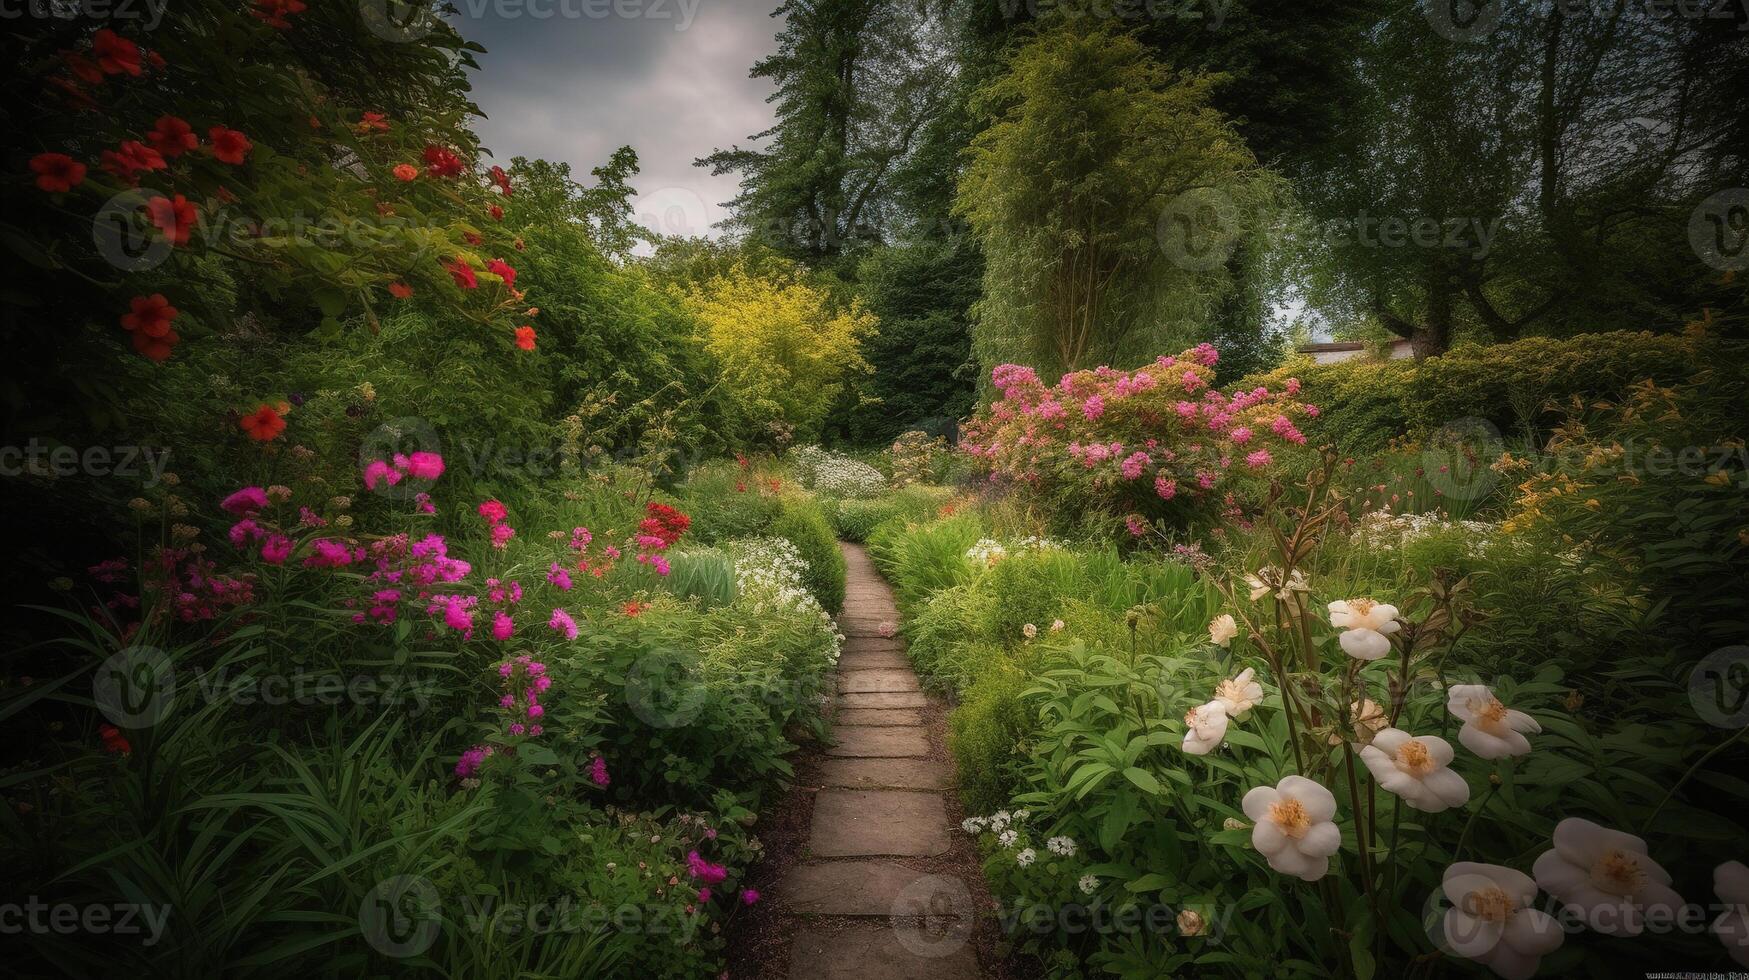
(1041, 544)
(1387, 532)
(770, 574)
(986, 552)
(836, 474)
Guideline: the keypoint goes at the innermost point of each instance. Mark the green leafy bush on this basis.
(803, 523)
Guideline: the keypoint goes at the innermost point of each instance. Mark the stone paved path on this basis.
(882, 808)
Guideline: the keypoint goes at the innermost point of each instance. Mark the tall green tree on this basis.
(857, 81)
(1096, 192)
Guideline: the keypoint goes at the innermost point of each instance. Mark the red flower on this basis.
(634, 608)
(502, 270)
(113, 740)
(463, 273)
(133, 156)
(115, 54)
(440, 162)
(405, 172)
(471, 238)
(372, 122)
(174, 217)
(496, 212)
(156, 349)
(149, 315)
(57, 173)
(525, 337)
(502, 179)
(172, 137)
(400, 290)
(664, 522)
(229, 145)
(263, 425)
(273, 13)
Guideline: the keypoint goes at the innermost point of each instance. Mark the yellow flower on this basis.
(1719, 478)
(1593, 504)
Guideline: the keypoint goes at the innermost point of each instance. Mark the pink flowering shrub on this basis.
(1143, 442)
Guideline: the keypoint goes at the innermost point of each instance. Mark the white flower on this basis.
(1239, 694)
(1191, 923)
(1605, 876)
(972, 825)
(1007, 838)
(1204, 727)
(1222, 629)
(1490, 729)
(1025, 857)
(1492, 922)
(1415, 768)
(1087, 884)
(1056, 626)
(1233, 823)
(1731, 884)
(1269, 579)
(1018, 816)
(1029, 631)
(1367, 717)
(1366, 625)
(1061, 845)
(999, 820)
(986, 552)
(1292, 826)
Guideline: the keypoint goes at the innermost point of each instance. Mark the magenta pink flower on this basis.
(424, 466)
(502, 625)
(246, 502)
(276, 549)
(562, 622)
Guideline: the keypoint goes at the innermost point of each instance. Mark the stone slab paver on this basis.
(915, 774)
(878, 681)
(905, 717)
(886, 660)
(876, 887)
(881, 952)
(890, 699)
(878, 823)
(872, 742)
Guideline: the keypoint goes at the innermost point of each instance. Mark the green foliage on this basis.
(922, 292)
(1089, 140)
(803, 523)
(729, 501)
(1515, 387)
(990, 728)
(705, 574)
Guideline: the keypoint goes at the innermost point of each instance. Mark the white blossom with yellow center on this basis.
(1204, 728)
(1605, 877)
(1293, 826)
(1415, 768)
(1366, 626)
(1490, 729)
(1239, 694)
(1492, 920)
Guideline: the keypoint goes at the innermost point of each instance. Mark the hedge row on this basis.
(1366, 403)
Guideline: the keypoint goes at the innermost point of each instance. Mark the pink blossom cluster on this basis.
(387, 473)
(525, 680)
(1132, 439)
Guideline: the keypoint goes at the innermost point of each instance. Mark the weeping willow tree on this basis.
(1108, 197)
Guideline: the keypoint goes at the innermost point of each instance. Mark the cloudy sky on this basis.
(670, 81)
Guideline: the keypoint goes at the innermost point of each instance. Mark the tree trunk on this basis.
(1431, 337)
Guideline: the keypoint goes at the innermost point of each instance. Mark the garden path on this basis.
(879, 895)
